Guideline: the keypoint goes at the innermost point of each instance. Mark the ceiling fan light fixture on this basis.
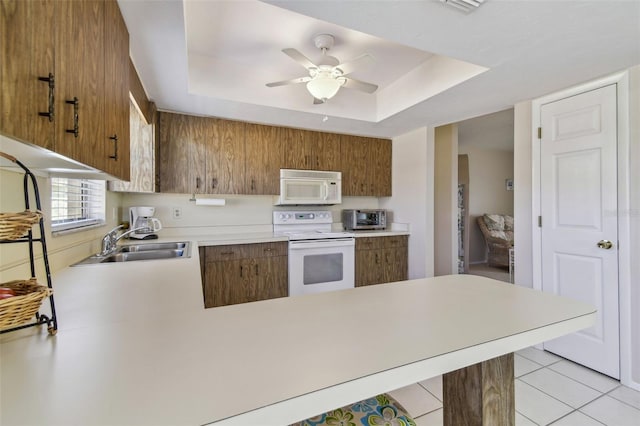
(324, 87)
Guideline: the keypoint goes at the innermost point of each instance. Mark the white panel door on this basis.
(578, 184)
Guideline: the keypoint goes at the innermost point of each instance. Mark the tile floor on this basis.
(549, 390)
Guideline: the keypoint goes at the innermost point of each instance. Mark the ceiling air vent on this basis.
(464, 5)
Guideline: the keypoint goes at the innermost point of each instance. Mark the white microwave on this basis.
(309, 187)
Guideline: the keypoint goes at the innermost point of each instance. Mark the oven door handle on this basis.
(307, 244)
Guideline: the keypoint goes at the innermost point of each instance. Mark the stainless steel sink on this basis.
(137, 252)
(151, 247)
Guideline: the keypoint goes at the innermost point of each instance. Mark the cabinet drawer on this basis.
(368, 243)
(232, 252)
(245, 251)
(394, 241)
(280, 248)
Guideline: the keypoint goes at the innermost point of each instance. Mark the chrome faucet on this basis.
(110, 240)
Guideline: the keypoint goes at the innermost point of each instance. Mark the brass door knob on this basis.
(605, 244)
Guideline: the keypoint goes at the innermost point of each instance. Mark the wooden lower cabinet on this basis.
(381, 259)
(244, 273)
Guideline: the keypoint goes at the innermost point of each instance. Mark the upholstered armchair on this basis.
(497, 230)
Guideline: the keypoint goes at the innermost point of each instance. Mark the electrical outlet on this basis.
(177, 213)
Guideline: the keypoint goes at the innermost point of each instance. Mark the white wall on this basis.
(446, 200)
(523, 221)
(488, 170)
(62, 250)
(241, 213)
(412, 200)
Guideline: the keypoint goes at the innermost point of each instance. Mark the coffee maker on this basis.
(141, 219)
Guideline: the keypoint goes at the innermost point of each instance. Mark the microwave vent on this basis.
(309, 174)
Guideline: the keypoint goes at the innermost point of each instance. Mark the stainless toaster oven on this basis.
(353, 220)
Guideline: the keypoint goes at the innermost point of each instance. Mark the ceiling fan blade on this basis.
(352, 83)
(361, 61)
(292, 81)
(299, 58)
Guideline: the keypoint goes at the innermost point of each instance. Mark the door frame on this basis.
(621, 80)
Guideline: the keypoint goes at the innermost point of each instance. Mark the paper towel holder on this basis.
(218, 202)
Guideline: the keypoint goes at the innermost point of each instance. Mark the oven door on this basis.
(316, 266)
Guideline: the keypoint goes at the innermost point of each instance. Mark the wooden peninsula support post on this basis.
(480, 394)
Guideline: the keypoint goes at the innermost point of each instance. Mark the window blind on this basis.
(76, 203)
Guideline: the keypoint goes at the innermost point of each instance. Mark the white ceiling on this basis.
(530, 48)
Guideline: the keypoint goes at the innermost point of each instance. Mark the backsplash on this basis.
(241, 213)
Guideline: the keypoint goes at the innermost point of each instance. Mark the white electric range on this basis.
(319, 258)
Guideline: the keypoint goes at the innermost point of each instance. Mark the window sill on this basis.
(61, 232)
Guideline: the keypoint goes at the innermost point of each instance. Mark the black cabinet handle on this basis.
(241, 267)
(197, 183)
(253, 184)
(114, 138)
(76, 116)
(257, 273)
(52, 84)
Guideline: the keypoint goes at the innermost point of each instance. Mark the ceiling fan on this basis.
(329, 75)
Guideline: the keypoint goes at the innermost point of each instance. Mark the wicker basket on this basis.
(21, 308)
(14, 226)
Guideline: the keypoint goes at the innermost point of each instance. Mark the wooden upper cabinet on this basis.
(263, 159)
(181, 138)
(75, 112)
(201, 155)
(308, 150)
(245, 158)
(116, 93)
(27, 44)
(298, 148)
(355, 165)
(80, 107)
(225, 156)
(366, 166)
(380, 161)
(327, 152)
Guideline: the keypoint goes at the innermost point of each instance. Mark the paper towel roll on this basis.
(210, 201)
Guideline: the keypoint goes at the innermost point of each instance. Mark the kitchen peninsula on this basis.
(136, 346)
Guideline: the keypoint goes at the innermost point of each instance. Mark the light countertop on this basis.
(136, 346)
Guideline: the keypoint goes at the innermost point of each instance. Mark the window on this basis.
(77, 203)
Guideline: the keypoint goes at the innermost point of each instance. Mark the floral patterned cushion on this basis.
(494, 222)
(381, 410)
(508, 223)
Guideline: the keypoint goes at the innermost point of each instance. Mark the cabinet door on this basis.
(263, 160)
(298, 148)
(370, 267)
(224, 154)
(79, 62)
(269, 278)
(27, 43)
(395, 262)
(355, 166)
(327, 152)
(380, 170)
(227, 283)
(116, 94)
(182, 142)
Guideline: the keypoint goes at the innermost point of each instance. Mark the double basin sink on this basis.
(133, 252)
